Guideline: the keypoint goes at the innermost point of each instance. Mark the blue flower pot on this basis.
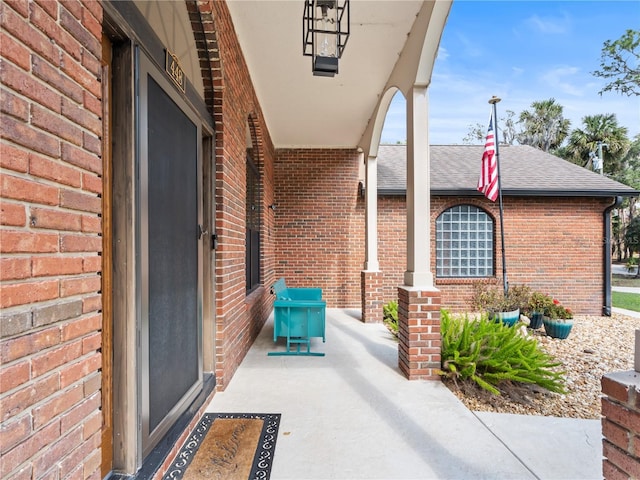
(536, 320)
(557, 328)
(508, 318)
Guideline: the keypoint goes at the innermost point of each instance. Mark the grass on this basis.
(628, 301)
(625, 281)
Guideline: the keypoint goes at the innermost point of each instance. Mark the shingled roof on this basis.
(524, 170)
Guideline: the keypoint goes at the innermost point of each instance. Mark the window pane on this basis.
(470, 251)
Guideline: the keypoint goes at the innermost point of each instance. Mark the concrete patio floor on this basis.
(352, 415)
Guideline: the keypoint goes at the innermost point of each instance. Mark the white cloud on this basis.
(565, 79)
(549, 26)
(442, 53)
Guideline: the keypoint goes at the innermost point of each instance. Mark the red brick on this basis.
(14, 106)
(53, 77)
(91, 303)
(55, 357)
(50, 27)
(19, 401)
(50, 7)
(14, 432)
(56, 125)
(92, 183)
(94, 105)
(91, 343)
(60, 449)
(82, 117)
(616, 434)
(15, 52)
(622, 460)
(92, 424)
(94, 8)
(81, 326)
(13, 158)
(76, 286)
(611, 472)
(74, 7)
(13, 268)
(27, 190)
(80, 201)
(14, 375)
(55, 406)
(20, 242)
(55, 266)
(80, 243)
(91, 224)
(72, 373)
(615, 390)
(20, 6)
(55, 219)
(19, 347)
(75, 416)
(80, 75)
(31, 37)
(30, 292)
(621, 415)
(28, 449)
(54, 170)
(29, 137)
(81, 158)
(80, 33)
(92, 264)
(13, 214)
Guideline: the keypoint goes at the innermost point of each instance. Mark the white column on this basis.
(418, 191)
(371, 213)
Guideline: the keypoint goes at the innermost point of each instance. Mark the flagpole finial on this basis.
(494, 100)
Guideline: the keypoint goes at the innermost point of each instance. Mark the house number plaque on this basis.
(174, 70)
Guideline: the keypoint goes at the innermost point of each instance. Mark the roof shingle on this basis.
(524, 170)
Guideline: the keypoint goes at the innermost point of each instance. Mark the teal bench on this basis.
(299, 315)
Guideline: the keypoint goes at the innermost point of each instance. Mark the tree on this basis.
(583, 143)
(544, 126)
(620, 63)
(478, 133)
(632, 238)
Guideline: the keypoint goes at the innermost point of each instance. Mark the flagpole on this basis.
(505, 282)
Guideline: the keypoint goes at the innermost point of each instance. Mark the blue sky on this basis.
(521, 51)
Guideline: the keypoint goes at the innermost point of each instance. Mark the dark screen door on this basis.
(171, 285)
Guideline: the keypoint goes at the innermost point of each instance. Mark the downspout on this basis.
(606, 308)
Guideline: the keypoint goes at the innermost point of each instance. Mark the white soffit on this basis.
(306, 111)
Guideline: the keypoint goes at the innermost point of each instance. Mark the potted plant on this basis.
(538, 303)
(501, 307)
(558, 320)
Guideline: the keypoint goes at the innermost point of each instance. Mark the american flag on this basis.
(488, 181)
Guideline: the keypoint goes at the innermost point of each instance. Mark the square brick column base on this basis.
(621, 425)
(371, 296)
(419, 332)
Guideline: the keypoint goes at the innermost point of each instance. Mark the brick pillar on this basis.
(419, 332)
(371, 296)
(621, 425)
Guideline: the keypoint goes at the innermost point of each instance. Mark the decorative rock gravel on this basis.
(596, 346)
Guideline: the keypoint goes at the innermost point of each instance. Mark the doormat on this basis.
(230, 446)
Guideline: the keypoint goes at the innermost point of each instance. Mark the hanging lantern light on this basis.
(325, 31)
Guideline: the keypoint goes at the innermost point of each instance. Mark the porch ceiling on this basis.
(306, 111)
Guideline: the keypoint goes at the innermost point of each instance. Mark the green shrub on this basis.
(489, 353)
(390, 316)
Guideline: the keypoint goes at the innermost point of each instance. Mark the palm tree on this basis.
(544, 127)
(583, 143)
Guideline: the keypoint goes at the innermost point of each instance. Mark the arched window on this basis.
(464, 243)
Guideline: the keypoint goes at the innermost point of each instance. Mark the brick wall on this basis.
(319, 222)
(50, 239)
(621, 425)
(239, 317)
(554, 245)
